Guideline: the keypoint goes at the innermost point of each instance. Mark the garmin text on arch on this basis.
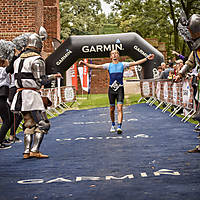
(102, 48)
(64, 57)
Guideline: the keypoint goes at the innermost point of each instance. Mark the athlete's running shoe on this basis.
(119, 130)
(112, 129)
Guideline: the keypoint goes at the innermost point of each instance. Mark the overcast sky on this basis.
(105, 7)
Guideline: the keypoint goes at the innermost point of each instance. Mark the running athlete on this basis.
(116, 88)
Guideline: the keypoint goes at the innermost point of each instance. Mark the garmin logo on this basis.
(130, 176)
(140, 51)
(67, 54)
(102, 48)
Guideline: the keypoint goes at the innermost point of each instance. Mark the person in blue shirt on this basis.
(116, 88)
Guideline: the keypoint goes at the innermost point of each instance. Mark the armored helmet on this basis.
(35, 40)
(194, 26)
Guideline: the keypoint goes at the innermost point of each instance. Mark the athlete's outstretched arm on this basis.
(91, 65)
(149, 57)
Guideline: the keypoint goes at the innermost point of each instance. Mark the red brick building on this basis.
(21, 16)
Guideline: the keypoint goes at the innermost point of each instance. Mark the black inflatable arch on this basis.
(94, 46)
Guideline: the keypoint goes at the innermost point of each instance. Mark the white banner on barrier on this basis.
(69, 94)
(55, 97)
(146, 89)
(175, 93)
(158, 90)
(179, 94)
(186, 92)
(153, 89)
(166, 91)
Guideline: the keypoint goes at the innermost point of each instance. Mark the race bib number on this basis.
(115, 86)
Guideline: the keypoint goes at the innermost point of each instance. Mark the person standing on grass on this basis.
(116, 88)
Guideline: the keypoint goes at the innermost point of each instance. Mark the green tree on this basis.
(80, 17)
(111, 26)
(155, 18)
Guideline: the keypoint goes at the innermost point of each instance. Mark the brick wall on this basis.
(20, 16)
(51, 14)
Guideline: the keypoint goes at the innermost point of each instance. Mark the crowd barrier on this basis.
(61, 98)
(170, 94)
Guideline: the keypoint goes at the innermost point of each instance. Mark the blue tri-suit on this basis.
(116, 72)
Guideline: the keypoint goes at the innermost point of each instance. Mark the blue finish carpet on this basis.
(149, 161)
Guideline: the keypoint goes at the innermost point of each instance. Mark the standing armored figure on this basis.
(193, 62)
(29, 72)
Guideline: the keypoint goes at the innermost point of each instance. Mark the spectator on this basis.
(183, 58)
(178, 55)
(16, 118)
(160, 70)
(193, 62)
(165, 73)
(4, 107)
(163, 65)
(179, 65)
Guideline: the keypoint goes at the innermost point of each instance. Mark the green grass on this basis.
(101, 100)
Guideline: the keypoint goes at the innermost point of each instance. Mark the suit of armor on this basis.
(29, 72)
(193, 61)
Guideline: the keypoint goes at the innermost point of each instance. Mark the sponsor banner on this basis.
(55, 97)
(102, 48)
(69, 73)
(185, 93)
(166, 95)
(175, 94)
(84, 76)
(68, 94)
(74, 74)
(158, 87)
(146, 89)
(179, 94)
(153, 89)
(64, 57)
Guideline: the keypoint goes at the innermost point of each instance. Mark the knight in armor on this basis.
(29, 72)
(193, 61)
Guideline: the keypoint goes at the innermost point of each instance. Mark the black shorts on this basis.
(119, 95)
